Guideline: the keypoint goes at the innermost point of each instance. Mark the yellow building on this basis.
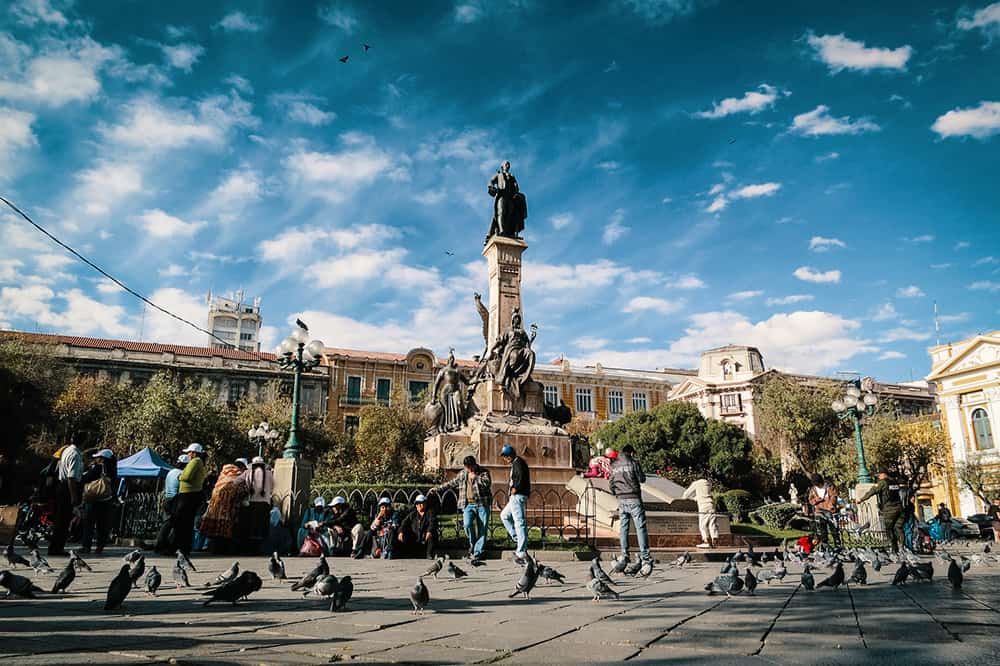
(967, 375)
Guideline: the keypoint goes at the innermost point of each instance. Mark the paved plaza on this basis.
(666, 619)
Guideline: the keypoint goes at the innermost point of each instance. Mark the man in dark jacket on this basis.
(343, 526)
(514, 515)
(626, 485)
(890, 493)
(418, 531)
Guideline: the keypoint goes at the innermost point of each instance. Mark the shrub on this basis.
(775, 515)
(735, 502)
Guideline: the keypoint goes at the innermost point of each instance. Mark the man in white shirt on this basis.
(701, 492)
(69, 496)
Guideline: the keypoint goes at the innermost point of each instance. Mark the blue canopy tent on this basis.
(145, 464)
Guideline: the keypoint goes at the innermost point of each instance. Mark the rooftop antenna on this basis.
(142, 322)
(937, 326)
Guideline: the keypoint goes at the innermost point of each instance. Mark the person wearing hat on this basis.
(189, 497)
(475, 496)
(383, 530)
(312, 519)
(417, 532)
(626, 485)
(891, 495)
(171, 485)
(345, 530)
(69, 496)
(99, 483)
(514, 515)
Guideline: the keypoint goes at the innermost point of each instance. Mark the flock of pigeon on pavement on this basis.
(234, 585)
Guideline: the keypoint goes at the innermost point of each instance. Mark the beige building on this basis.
(967, 376)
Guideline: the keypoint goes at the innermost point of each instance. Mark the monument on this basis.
(498, 402)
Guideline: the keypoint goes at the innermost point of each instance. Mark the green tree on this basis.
(274, 406)
(983, 481)
(31, 378)
(796, 421)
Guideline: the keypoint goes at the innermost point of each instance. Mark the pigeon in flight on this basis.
(18, 585)
(548, 573)
(153, 580)
(529, 577)
(119, 588)
(39, 563)
(367, 47)
(240, 588)
(955, 575)
(344, 59)
(435, 568)
(227, 576)
(419, 596)
(301, 324)
(65, 578)
(184, 561)
(343, 594)
(13, 558)
(450, 254)
(834, 580)
(78, 562)
(456, 572)
(599, 589)
(276, 567)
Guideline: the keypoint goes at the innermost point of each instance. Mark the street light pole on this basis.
(262, 434)
(856, 406)
(299, 357)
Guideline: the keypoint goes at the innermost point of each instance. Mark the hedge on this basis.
(737, 503)
(775, 515)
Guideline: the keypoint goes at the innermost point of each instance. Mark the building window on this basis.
(639, 402)
(354, 390)
(731, 403)
(584, 400)
(237, 390)
(383, 387)
(246, 336)
(351, 424)
(551, 395)
(616, 403)
(981, 429)
(416, 388)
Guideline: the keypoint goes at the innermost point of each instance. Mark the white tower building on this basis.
(235, 320)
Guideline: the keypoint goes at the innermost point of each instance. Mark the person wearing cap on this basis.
(475, 495)
(189, 497)
(98, 506)
(344, 528)
(514, 515)
(260, 483)
(417, 532)
(312, 519)
(626, 485)
(69, 495)
(171, 485)
(383, 530)
(891, 495)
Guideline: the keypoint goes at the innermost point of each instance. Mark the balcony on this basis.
(360, 401)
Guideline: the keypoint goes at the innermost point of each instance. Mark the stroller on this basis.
(34, 523)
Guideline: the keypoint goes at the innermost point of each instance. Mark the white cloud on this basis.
(885, 312)
(821, 244)
(608, 165)
(52, 262)
(962, 245)
(240, 83)
(889, 355)
(912, 291)
(468, 12)
(239, 22)
(159, 224)
(294, 244)
(650, 303)
(430, 197)
(15, 133)
(335, 176)
(744, 295)
(149, 123)
(615, 229)
(660, 12)
(819, 122)
(754, 191)
(158, 327)
(789, 300)
(239, 189)
(807, 274)
(71, 312)
(925, 238)
(561, 220)
(641, 340)
(840, 52)
(32, 12)
(104, 185)
(565, 277)
(902, 334)
(687, 282)
(985, 285)
(986, 19)
(172, 271)
(979, 122)
(182, 56)
(365, 265)
(63, 72)
(10, 270)
(940, 267)
(752, 102)
(826, 157)
(955, 318)
(986, 261)
(718, 204)
(339, 17)
(587, 343)
(310, 114)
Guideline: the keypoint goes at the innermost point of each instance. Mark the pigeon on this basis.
(18, 585)
(419, 596)
(366, 47)
(342, 594)
(860, 574)
(232, 591)
(301, 324)
(325, 587)
(477, 563)
(119, 588)
(184, 561)
(750, 581)
(955, 575)
(548, 573)
(39, 563)
(901, 574)
(344, 59)
(435, 568)
(595, 568)
(923, 571)
(227, 576)
(727, 567)
(739, 556)
(767, 575)
(276, 567)
(599, 589)
(646, 569)
(529, 577)
(153, 580)
(307, 581)
(834, 580)
(64, 579)
(621, 563)
(13, 558)
(730, 583)
(78, 562)
(682, 559)
(633, 569)
(455, 571)
(131, 556)
(180, 576)
(986, 548)
(137, 569)
(807, 579)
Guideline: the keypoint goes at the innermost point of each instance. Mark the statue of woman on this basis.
(449, 393)
(514, 359)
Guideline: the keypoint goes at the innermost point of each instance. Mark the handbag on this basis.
(98, 490)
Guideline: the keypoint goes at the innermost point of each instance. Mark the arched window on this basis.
(982, 430)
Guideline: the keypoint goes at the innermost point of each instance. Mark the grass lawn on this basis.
(748, 529)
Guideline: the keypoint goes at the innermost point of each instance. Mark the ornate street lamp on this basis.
(298, 356)
(262, 434)
(855, 405)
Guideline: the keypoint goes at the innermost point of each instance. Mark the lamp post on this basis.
(262, 434)
(855, 405)
(298, 356)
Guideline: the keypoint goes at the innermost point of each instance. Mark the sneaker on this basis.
(703, 545)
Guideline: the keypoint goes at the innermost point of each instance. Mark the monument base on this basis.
(868, 510)
(292, 478)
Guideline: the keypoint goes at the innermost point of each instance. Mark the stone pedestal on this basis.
(503, 258)
(868, 510)
(292, 478)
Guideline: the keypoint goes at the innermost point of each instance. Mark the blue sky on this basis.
(807, 180)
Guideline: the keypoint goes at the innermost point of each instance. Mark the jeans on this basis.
(476, 520)
(630, 511)
(514, 519)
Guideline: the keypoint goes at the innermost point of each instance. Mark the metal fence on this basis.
(140, 515)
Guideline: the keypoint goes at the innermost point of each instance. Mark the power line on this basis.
(118, 282)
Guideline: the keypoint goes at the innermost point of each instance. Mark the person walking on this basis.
(626, 485)
(514, 515)
(890, 493)
(475, 495)
(165, 543)
(701, 492)
(189, 497)
(68, 497)
(944, 522)
(823, 502)
(99, 483)
(260, 483)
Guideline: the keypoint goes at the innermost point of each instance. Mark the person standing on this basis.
(701, 492)
(993, 513)
(189, 497)
(475, 495)
(99, 484)
(68, 497)
(823, 502)
(944, 522)
(260, 482)
(626, 485)
(222, 515)
(514, 515)
(171, 485)
(890, 493)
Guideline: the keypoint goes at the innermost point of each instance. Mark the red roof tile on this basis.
(130, 345)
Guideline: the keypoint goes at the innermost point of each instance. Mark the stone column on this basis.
(503, 257)
(868, 510)
(292, 478)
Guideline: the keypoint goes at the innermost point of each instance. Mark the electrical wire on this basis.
(125, 287)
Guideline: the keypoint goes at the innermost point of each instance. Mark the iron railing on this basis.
(141, 516)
